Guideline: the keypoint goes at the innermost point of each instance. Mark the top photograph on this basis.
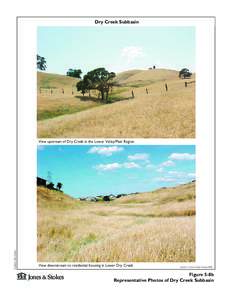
(116, 82)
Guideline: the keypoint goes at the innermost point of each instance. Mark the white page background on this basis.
(93, 284)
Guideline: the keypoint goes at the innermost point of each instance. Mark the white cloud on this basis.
(178, 174)
(106, 151)
(160, 168)
(130, 165)
(165, 179)
(168, 163)
(115, 166)
(182, 156)
(108, 167)
(139, 156)
(150, 166)
(132, 52)
(173, 172)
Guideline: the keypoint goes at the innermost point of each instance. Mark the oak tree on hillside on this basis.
(185, 73)
(84, 85)
(76, 73)
(41, 63)
(50, 186)
(59, 185)
(98, 79)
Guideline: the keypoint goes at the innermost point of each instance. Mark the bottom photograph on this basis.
(116, 203)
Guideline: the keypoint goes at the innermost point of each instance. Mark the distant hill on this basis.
(122, 76)
(171, 201)
(48, 80)
(164, 197)
(146, 76)
(51, 199)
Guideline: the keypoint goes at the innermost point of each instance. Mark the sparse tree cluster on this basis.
(41, 63)
(98, 79)
(185, 73)
(76, 73)
(51, 186)
(59, 186)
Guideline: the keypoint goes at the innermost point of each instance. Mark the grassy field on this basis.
(158, 114)
(52, 102)
(158, 226)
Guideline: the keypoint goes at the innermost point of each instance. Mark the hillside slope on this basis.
(58, 96)
(158, 226)
(55, 81)
(153, 113)
(149, 76)
(123, 76)
(173, 201)
(54, 199)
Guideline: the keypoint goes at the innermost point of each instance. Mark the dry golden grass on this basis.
(51, 107)
(57, 103)
(152, 76)
(55, 81)
(148, 227)
(121, 77)
(159, 114)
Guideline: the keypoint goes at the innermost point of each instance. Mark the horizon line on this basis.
(126, 194)
(127, 70)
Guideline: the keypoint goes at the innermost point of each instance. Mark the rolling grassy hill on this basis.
(58, 103)
(158, 114)
(55, 81)
(157, 226)
(146, 77)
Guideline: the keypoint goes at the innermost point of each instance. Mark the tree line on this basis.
(98, 79)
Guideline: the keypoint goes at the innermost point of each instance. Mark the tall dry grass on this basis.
(49, 107)
(158, 228)
(158, 114)
(52, 102)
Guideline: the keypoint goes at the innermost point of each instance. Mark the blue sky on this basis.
(102, 170)
(116, 48)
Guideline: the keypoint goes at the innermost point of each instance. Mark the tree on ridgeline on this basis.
(98, 79)
(59, 185)
(41, 63)
(185, 73)
(50, 186)
(76, 73)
